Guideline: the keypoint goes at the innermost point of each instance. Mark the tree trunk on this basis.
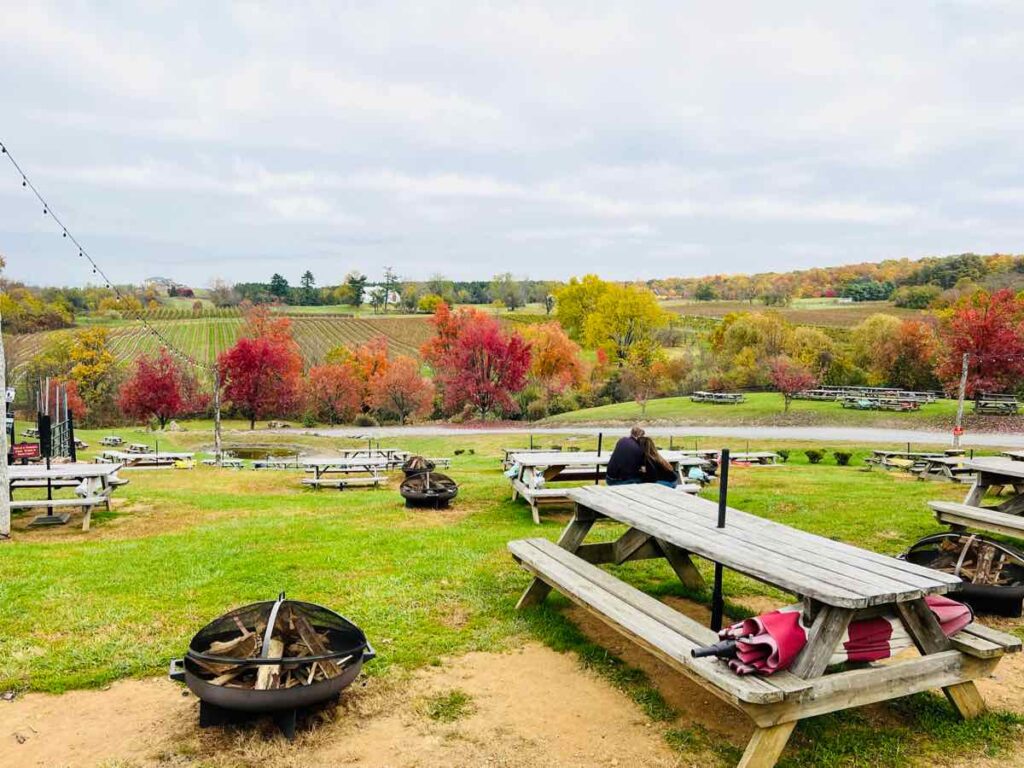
(252, 422)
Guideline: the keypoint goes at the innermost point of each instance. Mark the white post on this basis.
(5, 493)
(216, 415)
(960, 402)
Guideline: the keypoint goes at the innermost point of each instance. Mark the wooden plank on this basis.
(664, 641)
(1010, 643)
(976, 646)
(815, 545)
(682, 565)
(754, 558)
(765, 746)
(828, 629)
(797, 545)
(965, 516)
(570, 540)
(629, 543)
(860, 687)
(927, 635)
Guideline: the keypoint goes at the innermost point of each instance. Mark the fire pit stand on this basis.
(271, 658)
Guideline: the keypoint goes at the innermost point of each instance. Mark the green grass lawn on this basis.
(82, 609)
(759, 408)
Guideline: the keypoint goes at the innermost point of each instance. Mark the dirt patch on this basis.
(530, 708)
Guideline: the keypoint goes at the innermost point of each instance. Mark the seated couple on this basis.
(636, 460)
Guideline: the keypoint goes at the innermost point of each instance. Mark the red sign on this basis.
(957, 431)
(25, 450)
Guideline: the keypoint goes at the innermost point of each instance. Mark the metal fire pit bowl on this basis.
(343, 639)
(430, 490)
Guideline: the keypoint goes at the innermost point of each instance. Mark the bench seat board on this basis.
(964, 515)
(654, 625)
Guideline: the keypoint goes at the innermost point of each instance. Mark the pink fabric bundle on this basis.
(768, 643)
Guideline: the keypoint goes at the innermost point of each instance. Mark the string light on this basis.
(96, 270)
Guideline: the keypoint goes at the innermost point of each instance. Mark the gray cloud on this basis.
(636, 140)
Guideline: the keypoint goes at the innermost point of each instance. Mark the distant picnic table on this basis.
(837, 583)
(722, 398)
(996, 404)
(93, 484)
(1005, 515)
(344, 471)
(870, 393)
(535, 471)
(146, 460)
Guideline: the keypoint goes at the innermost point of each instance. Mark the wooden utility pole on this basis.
(959, 428)
(5, 494)
(216, 414)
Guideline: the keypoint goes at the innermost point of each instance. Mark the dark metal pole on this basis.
(600, 439)
(531, 441)
(717, 598)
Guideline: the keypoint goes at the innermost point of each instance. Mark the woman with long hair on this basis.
(656, 468)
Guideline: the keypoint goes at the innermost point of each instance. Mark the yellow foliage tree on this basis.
(94, 369)
(623, 317)
(576, 301)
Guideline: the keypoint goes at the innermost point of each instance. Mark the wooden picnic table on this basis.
(943, 468)
(535, 471)
(93, 484)
(1005, 513)
(1015, 455)
(764, 458)
(344, 471)
(836, 582)
(392, 457)
(135, 460)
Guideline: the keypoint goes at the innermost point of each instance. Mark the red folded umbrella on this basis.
(765, 644)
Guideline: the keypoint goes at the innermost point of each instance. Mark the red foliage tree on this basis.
(260, 376)
(159, 387)
(989, 328)
(478, 364)
(401, 390)
(333, 392)
(789, 377)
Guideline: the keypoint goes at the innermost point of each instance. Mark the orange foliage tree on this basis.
(555, 362)
(402, 391)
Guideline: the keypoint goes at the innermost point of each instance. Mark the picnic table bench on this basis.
(535, 471)
(722, 398)
(991, 474)
(93, 484)
(996, 404)
(836, 582)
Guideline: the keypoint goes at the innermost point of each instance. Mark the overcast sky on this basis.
(635, 140)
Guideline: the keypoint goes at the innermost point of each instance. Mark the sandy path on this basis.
(531, 708)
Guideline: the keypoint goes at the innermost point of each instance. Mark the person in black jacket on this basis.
(626, 464)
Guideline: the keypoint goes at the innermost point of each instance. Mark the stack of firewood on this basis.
(293, 639)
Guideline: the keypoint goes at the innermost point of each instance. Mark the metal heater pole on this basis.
(717, 598)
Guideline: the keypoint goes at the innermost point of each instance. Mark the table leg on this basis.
(577, 529)
(827, 631)
(679, 560)
(928, 636)
(977, 493)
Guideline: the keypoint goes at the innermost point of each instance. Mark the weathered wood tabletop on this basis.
(831, 572)
(535, 469)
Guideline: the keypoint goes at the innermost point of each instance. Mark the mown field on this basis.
(206, 337)
(767, 408)
(810, 312)
(83, 609)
